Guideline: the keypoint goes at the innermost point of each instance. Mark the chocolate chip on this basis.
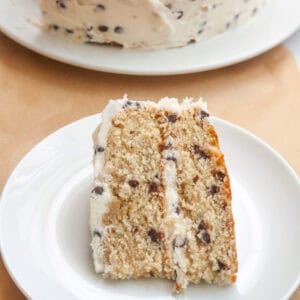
(99, 149)
(202, 226)
(196, 178)
(177, 210)
(128, 103)
(169, 6)
(133, 183)
(200, 152)
(168, 146)
(97, 233)
(220, 175)
(103, 28)
(192, 41)
(228, 24)
(98, 190)
(172, 118)
(179, 243)
(61, 4)
(204, 236)
(153, 187)
(119, 29)
(89, 36)
(214, 189)
(54, 27)
(254, 11)
(175, 275)
(180, 14)
(203, 114)
(155, 236)
(171, 158)
(200, 31)
(100, 6)
(221, 265)
(236, 17)
(70, 31)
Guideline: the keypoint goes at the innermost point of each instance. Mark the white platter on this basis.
(44, 235)
(278, 20)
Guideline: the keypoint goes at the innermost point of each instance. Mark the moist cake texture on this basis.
(147, 24)
(161, 206)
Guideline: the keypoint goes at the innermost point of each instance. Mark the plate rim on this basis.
(241, 57)
(4, 199)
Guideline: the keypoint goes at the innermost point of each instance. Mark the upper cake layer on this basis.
(161, 206)
(145, 23)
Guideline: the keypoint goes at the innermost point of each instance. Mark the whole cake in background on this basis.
(146, 24)
(161, 205)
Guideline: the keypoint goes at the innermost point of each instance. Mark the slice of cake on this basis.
(147, 24)
(161, 206)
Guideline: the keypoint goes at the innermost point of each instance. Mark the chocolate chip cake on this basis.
(161, 205)
(147, 24)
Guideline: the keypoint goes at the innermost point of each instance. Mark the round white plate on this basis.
(274, 23)
(44, 212)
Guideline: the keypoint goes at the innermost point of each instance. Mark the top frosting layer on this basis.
(145, 23)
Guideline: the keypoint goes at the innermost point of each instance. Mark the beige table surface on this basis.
(38, 96)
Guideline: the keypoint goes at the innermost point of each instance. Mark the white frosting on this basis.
(170, 179)
(174, 225)
(97, 254)
(98, 207)
(113, 107)
(145, 23)
(99, 203)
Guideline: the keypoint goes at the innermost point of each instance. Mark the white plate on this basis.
(276, 22)
(44, 234)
